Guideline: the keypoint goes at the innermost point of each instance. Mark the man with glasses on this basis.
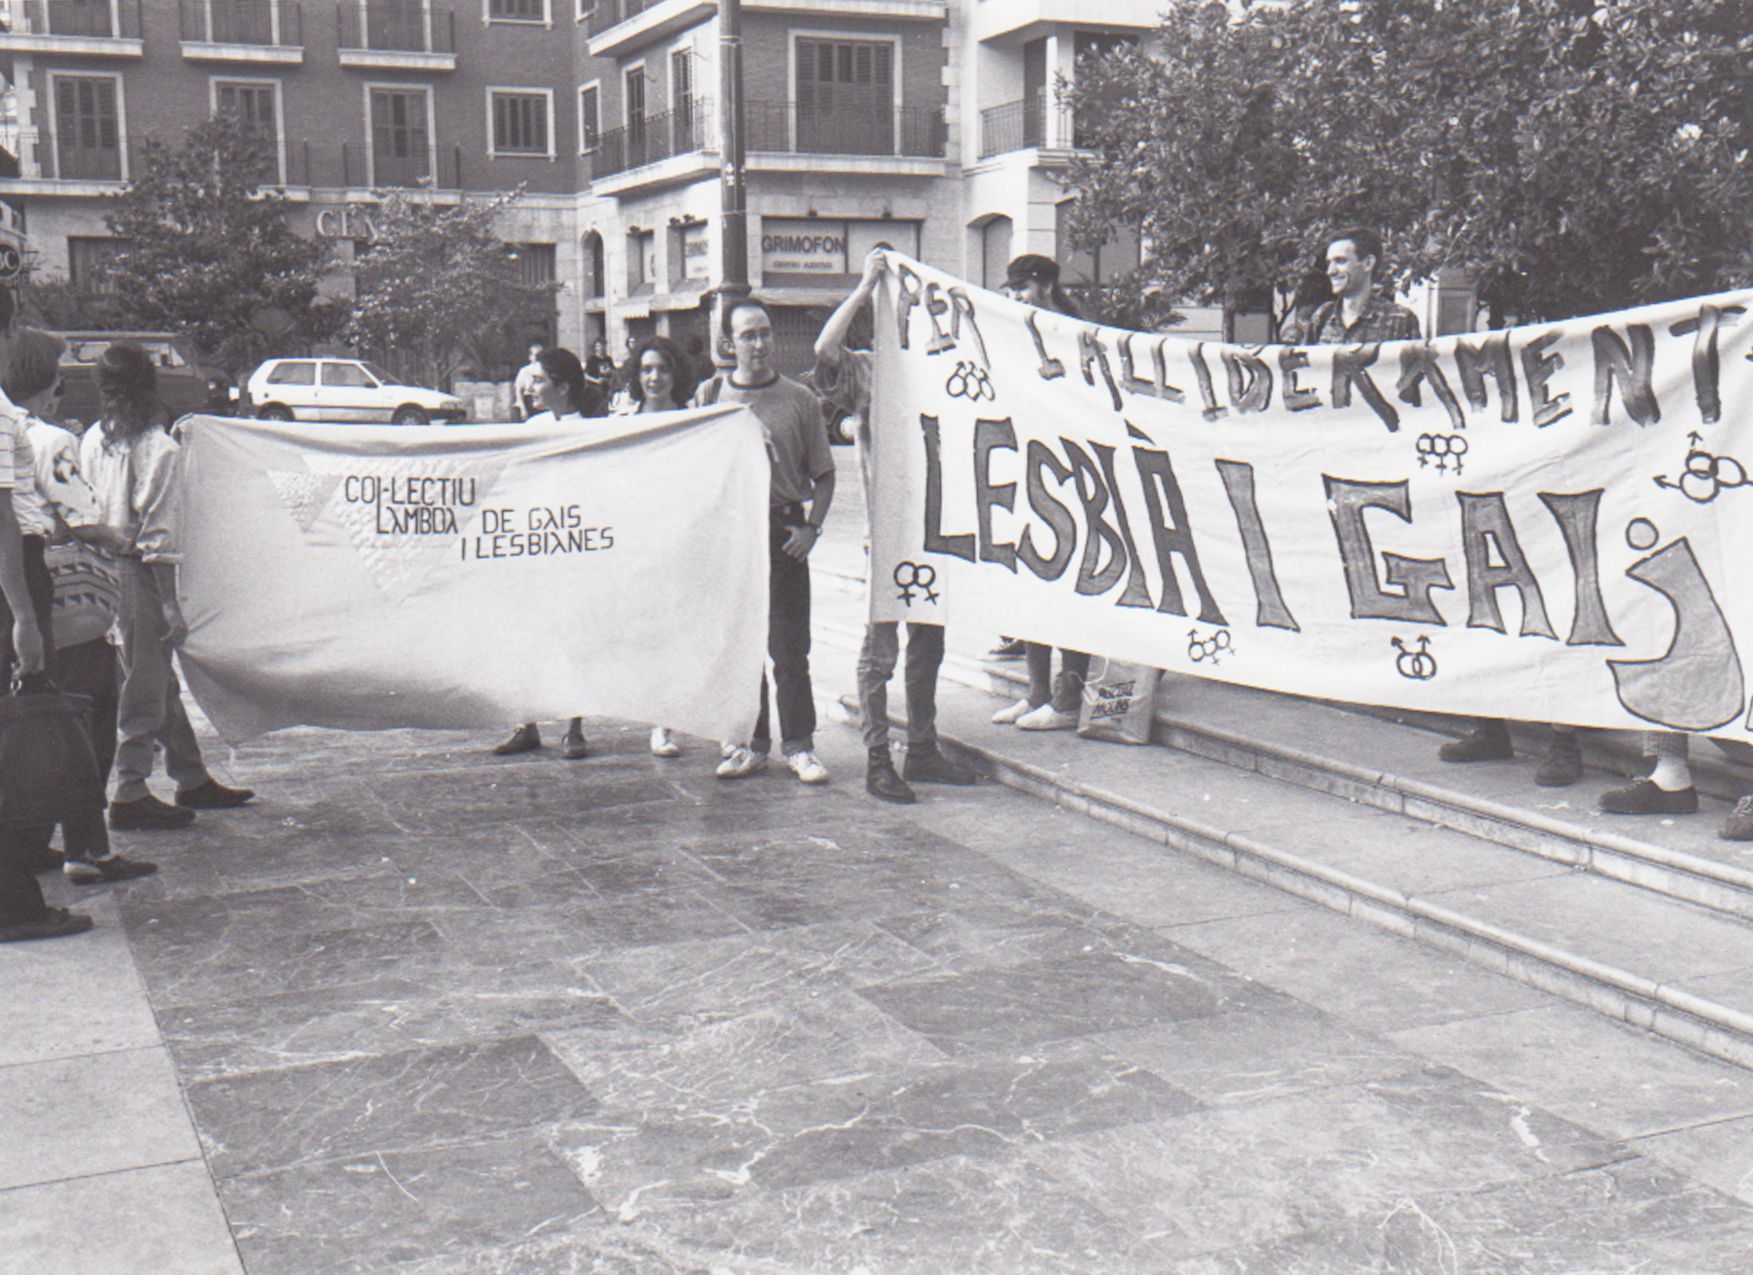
(803, 488)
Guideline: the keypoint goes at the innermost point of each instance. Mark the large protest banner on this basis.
(374, 576)
(1553, 522)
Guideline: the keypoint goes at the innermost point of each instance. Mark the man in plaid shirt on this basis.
(1356, 315)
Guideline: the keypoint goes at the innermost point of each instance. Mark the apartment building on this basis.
(930, 125)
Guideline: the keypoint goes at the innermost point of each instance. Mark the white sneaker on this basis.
(740, 762)
(1005, 716)
(808, 767)
(663, 744)
(1046, 717)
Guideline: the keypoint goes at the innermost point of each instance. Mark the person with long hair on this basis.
(1034, 280)
(560, 394)
(659, 379)
(129, 458)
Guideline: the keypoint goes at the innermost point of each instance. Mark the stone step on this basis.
(1651, 960)
(1392, 764)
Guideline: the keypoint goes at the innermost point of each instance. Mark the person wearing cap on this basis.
(1034, 280)
(843, 377)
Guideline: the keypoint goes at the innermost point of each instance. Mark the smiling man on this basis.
(1356, 314)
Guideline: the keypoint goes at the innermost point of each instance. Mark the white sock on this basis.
(1671, 773)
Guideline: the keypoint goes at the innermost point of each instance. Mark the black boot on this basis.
(929, 766)
(1489, 740)
(881, 781)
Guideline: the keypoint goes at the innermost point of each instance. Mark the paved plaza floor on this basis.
(424, 1010)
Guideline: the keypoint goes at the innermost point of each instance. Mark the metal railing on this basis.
(657, 137)
(270, 23)
(439, 167)
(97, 18)
(786, 128)
(1016, 126)
(609, 13)
(394, 26)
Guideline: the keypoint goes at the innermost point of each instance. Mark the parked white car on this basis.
(344, 390)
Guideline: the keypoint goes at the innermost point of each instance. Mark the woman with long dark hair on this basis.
(129, 458)
(561, 395)
(660, 379)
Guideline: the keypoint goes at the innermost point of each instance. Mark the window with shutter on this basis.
(88, 127)
(253, 106)
(845, 96)
(520, 124)
(401, 145)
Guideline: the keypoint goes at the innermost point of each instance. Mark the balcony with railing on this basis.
(653, 140)
(88, 28)
(617, 27)
(395, 35)
(907, 132)
(243, 31)
(1031, 123)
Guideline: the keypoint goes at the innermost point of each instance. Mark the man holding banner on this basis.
(844, 377)
(802, 490)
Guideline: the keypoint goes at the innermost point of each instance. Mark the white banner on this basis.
(378, 576)
(1539, 523)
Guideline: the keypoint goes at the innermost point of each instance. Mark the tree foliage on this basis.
(1578, 155)
(203, 252)
(434, 280)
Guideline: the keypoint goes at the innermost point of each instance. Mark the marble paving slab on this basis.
(444, 1095)
(90, 1005)
(385, 1209)
(1227, 1176)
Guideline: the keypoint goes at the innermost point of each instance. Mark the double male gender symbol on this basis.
(970, 381)
(909, 576)
(1415, 662)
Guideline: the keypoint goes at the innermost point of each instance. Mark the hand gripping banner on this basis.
(367, 576)
(1553, 522)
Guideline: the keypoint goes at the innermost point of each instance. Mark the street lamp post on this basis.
(733, 184)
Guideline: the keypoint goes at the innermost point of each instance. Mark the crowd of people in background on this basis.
(88, 600)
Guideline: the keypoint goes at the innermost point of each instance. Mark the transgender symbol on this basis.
(1415, 663)
(1213, 648)
(970, 381)
(915, 575)
(1704, 476)
(1442, 450)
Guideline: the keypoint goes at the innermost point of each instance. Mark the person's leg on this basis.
(182, 751)
(21, 899)
(573, 744)
(925, 763)
(789, 642)
(876, 665)
(1074, 671)
(89, 669)
(1563, 764)
(1039, 662)
(140, 704)
(1667, 791)
(1487, 740)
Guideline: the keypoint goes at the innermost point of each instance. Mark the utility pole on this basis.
(733, 181)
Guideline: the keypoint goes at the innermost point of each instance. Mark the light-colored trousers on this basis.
(150, 713)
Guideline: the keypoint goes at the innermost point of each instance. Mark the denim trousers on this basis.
(151, 714)
(876, 665)
(1066, 694)
(788, 643)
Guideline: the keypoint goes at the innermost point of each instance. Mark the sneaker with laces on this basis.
(525, 739)
(1008, 649)
(110, 868)
(1739, 825)
(740, 762)
(1046, 717)
(663, 743)
(1007, 716)
(808, 767)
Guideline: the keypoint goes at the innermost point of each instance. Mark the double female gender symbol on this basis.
(909, 576)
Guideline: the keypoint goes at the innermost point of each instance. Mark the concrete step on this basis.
(1651, 960)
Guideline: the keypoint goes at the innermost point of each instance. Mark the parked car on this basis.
(344, 390)
(186, 383)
